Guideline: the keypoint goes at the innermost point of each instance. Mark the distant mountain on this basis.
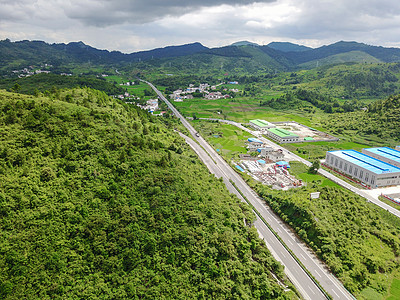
(245, 43)
(288, 47)
(170, 51)
(245, 56)
(352, 56)
(25, 53)
(380, 53)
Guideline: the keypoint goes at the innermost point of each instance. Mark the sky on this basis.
(136, 25)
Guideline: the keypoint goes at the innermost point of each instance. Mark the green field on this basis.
(317, 150)
(300, 171)
(394, 290)
(229, 139)
(140, 89)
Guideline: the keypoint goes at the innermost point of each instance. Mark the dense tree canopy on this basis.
(102, 200)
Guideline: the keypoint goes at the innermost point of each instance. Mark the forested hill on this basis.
(382, 120)
(100, 200)
(25, 53)
(51, 82)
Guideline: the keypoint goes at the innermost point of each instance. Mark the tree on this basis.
(16, 88)
(314, 167)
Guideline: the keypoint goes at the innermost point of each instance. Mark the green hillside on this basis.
(352, 56)
(100, 200)
(47, 82)
(381, 122)
(357, 240)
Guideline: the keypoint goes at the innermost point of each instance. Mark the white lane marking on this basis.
(303, 256)
(318, 274)
(335, 293)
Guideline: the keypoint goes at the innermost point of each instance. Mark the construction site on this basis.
(268, 166)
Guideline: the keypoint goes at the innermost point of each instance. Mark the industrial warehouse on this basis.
(364, 168)
(282, 135)
(385, 154)
(261, 125)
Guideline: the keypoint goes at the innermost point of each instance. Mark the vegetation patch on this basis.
(102, 200)
(358, 242)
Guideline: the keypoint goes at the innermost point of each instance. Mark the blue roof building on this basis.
(239, 168)
(254, 140)
(369, 170)
(385, 154)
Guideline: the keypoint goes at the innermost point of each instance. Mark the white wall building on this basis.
(361, 167)
(254, 144)
(282, 136)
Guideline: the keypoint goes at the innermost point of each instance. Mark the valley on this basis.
(120, 204)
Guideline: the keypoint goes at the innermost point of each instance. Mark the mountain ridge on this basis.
(276, 55)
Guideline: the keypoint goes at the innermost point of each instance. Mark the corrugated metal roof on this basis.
(283, 133)
(239, 168)
(254, 140)
(386, 152)
(364, 161)
(261, 123)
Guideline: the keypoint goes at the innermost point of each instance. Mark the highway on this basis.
(307, 287)
(341, 182)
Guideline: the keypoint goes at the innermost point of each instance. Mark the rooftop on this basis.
(364, 161)
(254, 140)
(261, 123)
(386, 152)
(283, 133)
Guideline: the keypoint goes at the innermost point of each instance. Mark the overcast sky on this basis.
(134, 25)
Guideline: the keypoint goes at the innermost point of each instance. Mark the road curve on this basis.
(303, 282)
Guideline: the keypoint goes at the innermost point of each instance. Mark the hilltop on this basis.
(99, 199)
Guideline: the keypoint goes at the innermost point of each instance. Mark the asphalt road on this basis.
(294, 271)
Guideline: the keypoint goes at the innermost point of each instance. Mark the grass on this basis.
(388, 202)
(138, 89)
(394, 290)
(301, 172)
(317, 150)
(231, 140)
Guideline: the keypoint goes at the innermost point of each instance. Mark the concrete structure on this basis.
(261, 125)
(385, 154)
(275, 156)
(282, 135)
(368, 170)
(264, 151)
(254, 144)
